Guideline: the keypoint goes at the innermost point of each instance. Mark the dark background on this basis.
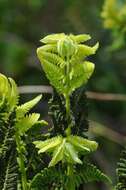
(24, 22)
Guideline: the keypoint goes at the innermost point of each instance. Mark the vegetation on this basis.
(93, 114)
(62, 59)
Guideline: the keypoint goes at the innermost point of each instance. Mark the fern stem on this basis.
(67, 98)
(20, 151)
(69, 169)
(68, 130)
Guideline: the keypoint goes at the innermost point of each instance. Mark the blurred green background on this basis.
(24, 22)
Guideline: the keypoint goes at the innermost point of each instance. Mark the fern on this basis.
(66, 149)
(89, 172)
(56, 177)
(26, 123)
(57, 79)
(63, 60)
(57, 113)
(58, 66)
(11, 174)
(15, 122)
(121, 172)
(78, 104)
(25, 108)
(49, 178)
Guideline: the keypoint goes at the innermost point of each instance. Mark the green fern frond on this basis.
(56, 177)
(58, 154)
(89, 172)
(86, 50)
(82, 144)
(10, 182)
(79, 103)
(66, 149)
(121, 172)
(25, 108)
(52, 58)
(80, 75)
(26, 123)
(63, 65)
(5, 144)
(49, 177)
(71, 153)
(55, 75)
(49, 144)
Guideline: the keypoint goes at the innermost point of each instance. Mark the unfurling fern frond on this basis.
(63, 58)
(8, 92)
(11, 174)
(64, 67)
(121, 172)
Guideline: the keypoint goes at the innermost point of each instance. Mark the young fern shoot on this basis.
(63, 58)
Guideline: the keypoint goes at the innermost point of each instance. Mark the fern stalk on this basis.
(67, 98)
(21, 162)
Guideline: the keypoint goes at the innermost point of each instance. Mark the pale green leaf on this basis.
(86, 50)
(88, 144)
(58, 154)
(80, 38)
(72, 153)
(48, 48)
(48, 145)
(13, 98)
(52, 38)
